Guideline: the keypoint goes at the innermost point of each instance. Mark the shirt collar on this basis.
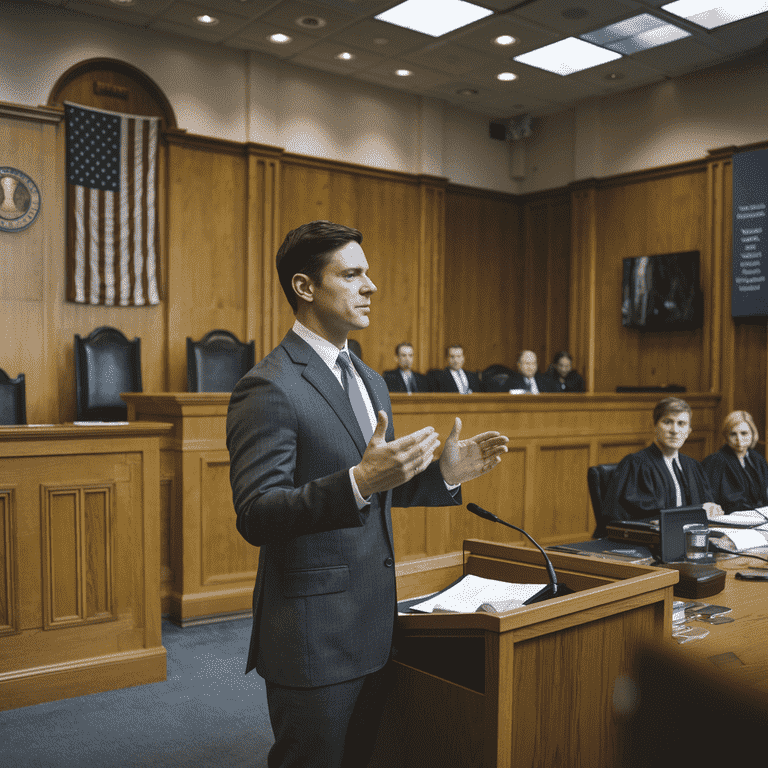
(328, 352)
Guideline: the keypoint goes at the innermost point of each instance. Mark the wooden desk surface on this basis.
(738, 648)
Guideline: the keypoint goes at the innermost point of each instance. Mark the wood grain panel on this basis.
(485, 287)
(77, 561)
(564, 503)
(9, 612)
(207, 280)
(226, 556)
(369, 202)
(627, 356)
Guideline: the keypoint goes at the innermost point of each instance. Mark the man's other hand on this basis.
(386, 465)
(464, 460)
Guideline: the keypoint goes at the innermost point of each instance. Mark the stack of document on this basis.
(474, 593)
(748, 518)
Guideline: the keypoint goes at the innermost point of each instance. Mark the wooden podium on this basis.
(530, 687)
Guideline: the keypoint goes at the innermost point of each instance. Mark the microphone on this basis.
(554, 589)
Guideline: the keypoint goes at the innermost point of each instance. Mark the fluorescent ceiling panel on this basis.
(636, 34)
(434, 17)
(714, 13)
(567, 56)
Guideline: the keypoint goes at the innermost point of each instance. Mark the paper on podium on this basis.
(474, 593)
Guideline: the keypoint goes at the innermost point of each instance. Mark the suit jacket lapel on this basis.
(317, 373)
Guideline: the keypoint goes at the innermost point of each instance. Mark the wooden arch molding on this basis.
(113, 85)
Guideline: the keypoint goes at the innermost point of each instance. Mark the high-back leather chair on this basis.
(494, 377)
(106, 364)
(13, 399)
(217, 362)
(598, 478)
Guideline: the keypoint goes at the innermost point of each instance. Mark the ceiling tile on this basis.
(365, 33)
(134, 15)
(549, 14)
(678, 57)
(323, 55)
(255, 37)
(450, 58)
(285, 15)
(528, 36)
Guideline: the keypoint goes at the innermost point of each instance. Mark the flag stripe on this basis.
(112, 208)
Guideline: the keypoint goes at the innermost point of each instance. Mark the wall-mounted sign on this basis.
(19, 200)
(749, 295)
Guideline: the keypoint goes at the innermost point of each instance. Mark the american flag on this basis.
(111, 207)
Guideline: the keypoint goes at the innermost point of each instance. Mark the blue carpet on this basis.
(207, 713)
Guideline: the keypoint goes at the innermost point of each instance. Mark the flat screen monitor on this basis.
(671, 535)
(662, 293)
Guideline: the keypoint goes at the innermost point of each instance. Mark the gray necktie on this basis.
(354, 394)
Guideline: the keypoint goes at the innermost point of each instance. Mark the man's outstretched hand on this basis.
(386, 465)
(464, 460)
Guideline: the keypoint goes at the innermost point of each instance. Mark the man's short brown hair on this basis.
(670, 405)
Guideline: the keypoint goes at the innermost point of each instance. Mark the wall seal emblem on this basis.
(19, 200)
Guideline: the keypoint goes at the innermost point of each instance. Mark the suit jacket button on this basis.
(389, 562)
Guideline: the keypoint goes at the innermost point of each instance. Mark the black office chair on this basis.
(598, 478)
(494, 377)
(106, 364)
(217, 362)
(13, 399)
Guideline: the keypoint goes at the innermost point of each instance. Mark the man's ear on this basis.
(303, 286)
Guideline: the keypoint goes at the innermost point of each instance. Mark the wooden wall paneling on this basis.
(546, 237)
(485, 292)
(583, 271)
(263, 293)
(9, 609)
(634, 220)
(431, 308)
(207, 282)
(386, 208)
(30, 259)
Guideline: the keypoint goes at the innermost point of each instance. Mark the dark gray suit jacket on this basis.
(324, 600)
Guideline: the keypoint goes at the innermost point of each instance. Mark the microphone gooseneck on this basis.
(556, 589)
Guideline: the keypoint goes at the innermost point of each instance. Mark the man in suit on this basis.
(527, 378)
(315, 468)
(404, 378)
(454, 378)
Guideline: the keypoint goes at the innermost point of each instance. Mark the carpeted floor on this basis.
(207, 713)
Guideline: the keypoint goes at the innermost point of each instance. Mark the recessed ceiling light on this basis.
(506, 76)
(345, 56)
(714, 13)
(122, 2)
(206, 20)
(615, 76)
(280, 38)
(505, 40)
(567, 56)
(310, 22)
(434, 17)
(467, 92)
(380, 41)
(638, 33)
(403, 72)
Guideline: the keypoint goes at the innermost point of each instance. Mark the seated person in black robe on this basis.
(659, 477)
(737, 473)
(564, 378)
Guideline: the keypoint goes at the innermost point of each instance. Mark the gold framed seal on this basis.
(19, 200)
